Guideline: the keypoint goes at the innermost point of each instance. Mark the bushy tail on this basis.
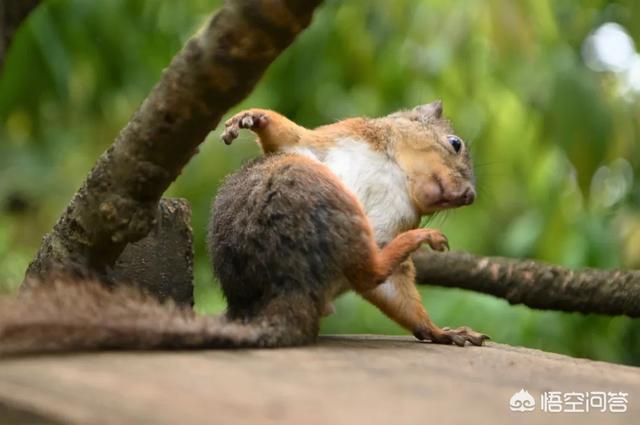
(77, 316)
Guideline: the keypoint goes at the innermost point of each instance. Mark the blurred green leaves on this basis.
(556, 144)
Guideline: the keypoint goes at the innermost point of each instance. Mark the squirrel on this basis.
(322, 212)
(400, 167)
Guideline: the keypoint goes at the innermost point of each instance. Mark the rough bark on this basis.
(12, 13)
(533, 283)
(162, 261)
(217, 68)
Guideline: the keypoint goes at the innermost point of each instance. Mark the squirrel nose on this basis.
(468, 196)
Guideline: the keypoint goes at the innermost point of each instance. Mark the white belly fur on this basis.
(377, 182)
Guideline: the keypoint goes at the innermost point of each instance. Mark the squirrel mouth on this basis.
(454, 202)
(444, 204)
(446, 200)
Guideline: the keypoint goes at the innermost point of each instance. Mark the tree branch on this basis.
(12, 13)
(217, 68)
(533, 283)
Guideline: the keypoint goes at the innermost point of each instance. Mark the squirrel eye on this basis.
(455, 142)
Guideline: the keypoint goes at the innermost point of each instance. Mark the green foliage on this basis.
(555, 143)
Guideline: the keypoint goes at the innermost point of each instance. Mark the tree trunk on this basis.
(217, 68)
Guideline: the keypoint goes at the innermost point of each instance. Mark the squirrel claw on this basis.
(229, 134)
(436, 239)
(247, 119)
(461, 335)
(458, 336)
(246, 122)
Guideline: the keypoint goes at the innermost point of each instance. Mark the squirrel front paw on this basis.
(434, 238)
(251, 120)
(458, 336)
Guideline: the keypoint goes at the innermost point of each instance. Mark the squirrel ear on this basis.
(430, 110)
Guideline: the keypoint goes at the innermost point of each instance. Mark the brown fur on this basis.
(277, 248)
(438, 177)
(64, 315)
(286, 225)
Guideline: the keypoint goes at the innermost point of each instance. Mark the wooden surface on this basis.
(341, 380)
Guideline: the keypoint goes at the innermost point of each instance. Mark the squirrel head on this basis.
(436, 161)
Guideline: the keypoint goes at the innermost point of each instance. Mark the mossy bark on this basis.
(534, 283)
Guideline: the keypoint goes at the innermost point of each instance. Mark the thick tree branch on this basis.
(216, 69)
(12, 13)
(532, 283)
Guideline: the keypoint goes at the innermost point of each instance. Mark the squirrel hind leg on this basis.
(399, 299)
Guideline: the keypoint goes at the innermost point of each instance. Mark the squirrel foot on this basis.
(458, 336)
(251, 120)
(434, 238)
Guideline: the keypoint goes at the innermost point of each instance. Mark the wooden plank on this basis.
(341, 380)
